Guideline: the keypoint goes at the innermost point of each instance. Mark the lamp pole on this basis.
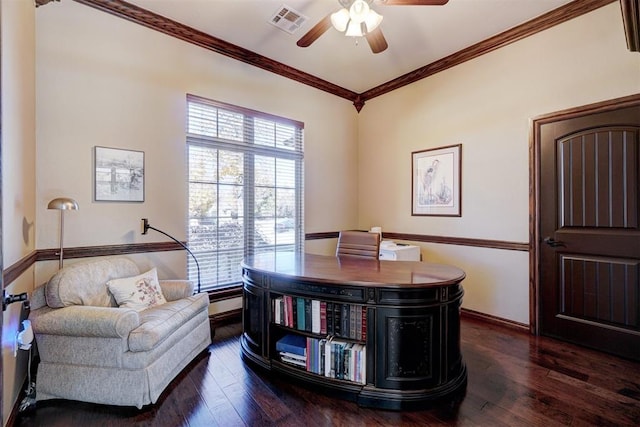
(61, 239)
(146, 227)
(62, 204)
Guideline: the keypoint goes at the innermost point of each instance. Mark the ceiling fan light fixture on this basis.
(356, 21)
(340, 19)
(354, 29)
(373, 20)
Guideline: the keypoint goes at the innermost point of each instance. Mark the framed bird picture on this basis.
(435, 181)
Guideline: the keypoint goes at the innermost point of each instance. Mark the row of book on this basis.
(321, 317)
(329, 357)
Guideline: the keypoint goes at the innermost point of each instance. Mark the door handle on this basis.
(552, 242)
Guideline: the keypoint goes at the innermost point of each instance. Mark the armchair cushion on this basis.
(85, 283)
(86, 321)
(157, 323)
(137, 292)
(174, 289)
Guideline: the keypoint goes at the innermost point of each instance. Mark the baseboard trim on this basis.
(494, 320)
(226, 317)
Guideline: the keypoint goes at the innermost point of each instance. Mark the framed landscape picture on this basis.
(118, 175)
(435, 181)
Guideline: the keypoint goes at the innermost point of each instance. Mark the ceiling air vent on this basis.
(288, 19)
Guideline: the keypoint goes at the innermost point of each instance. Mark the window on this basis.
(245, 188)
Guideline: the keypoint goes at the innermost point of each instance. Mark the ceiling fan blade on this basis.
(414, 2)
(314, 33)
(376, 41)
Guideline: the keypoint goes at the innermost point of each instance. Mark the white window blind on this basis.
(245, 187)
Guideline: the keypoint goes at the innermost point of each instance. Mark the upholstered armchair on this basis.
(108, 334)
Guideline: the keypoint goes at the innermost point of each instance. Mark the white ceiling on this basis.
(417, 35)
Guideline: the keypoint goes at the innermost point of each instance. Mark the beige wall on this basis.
(18, 176)
(487, 105)
(122, 85)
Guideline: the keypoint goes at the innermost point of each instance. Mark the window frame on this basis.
(249, 148)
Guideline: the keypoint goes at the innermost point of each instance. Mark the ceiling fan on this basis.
(356, 18)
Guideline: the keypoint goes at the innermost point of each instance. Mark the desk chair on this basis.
(361, 244)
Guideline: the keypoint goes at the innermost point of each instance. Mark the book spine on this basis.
(352, 321)
(290, 348)
(298, 308)
(344, 328)
(282, 315)
(293, 356)
(277, 313)
(337, 322)
(358, 322)
(293, 361)
(315, 316)
(323, 317)
(363, 365)
(364, 323)
(340, 357)
(289, 312)
(328, 363)
(336, 361)
(322, 344)
(316, 356)
(330, 319)
(346, 363)
(308, 319)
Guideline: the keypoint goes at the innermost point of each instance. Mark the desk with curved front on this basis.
(411, 312)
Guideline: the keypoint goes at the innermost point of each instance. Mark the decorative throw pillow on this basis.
(138, 292)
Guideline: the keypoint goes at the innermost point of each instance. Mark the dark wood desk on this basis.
(411, 310)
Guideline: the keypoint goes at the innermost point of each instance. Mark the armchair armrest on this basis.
(38, 299)
(176, 289)
(85, 321)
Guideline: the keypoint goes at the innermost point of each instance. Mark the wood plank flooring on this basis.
(514, 380)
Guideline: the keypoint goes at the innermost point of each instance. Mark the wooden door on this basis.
(589, 229)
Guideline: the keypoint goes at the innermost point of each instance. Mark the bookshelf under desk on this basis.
(383, 333)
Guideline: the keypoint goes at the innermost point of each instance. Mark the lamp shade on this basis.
(373, 20)
(63, 204)
(359, 11)
(354, 29)
(340, 19)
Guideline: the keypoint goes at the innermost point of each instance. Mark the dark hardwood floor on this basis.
(514, 380)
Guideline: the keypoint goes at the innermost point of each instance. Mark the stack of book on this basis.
(345, 360)
(329, 357)
(321, 317)
(293, 350)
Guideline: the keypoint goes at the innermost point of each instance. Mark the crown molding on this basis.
(183, 32)
(188, 34)
(543, 22)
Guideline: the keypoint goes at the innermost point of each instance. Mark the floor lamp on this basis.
(62, 204)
